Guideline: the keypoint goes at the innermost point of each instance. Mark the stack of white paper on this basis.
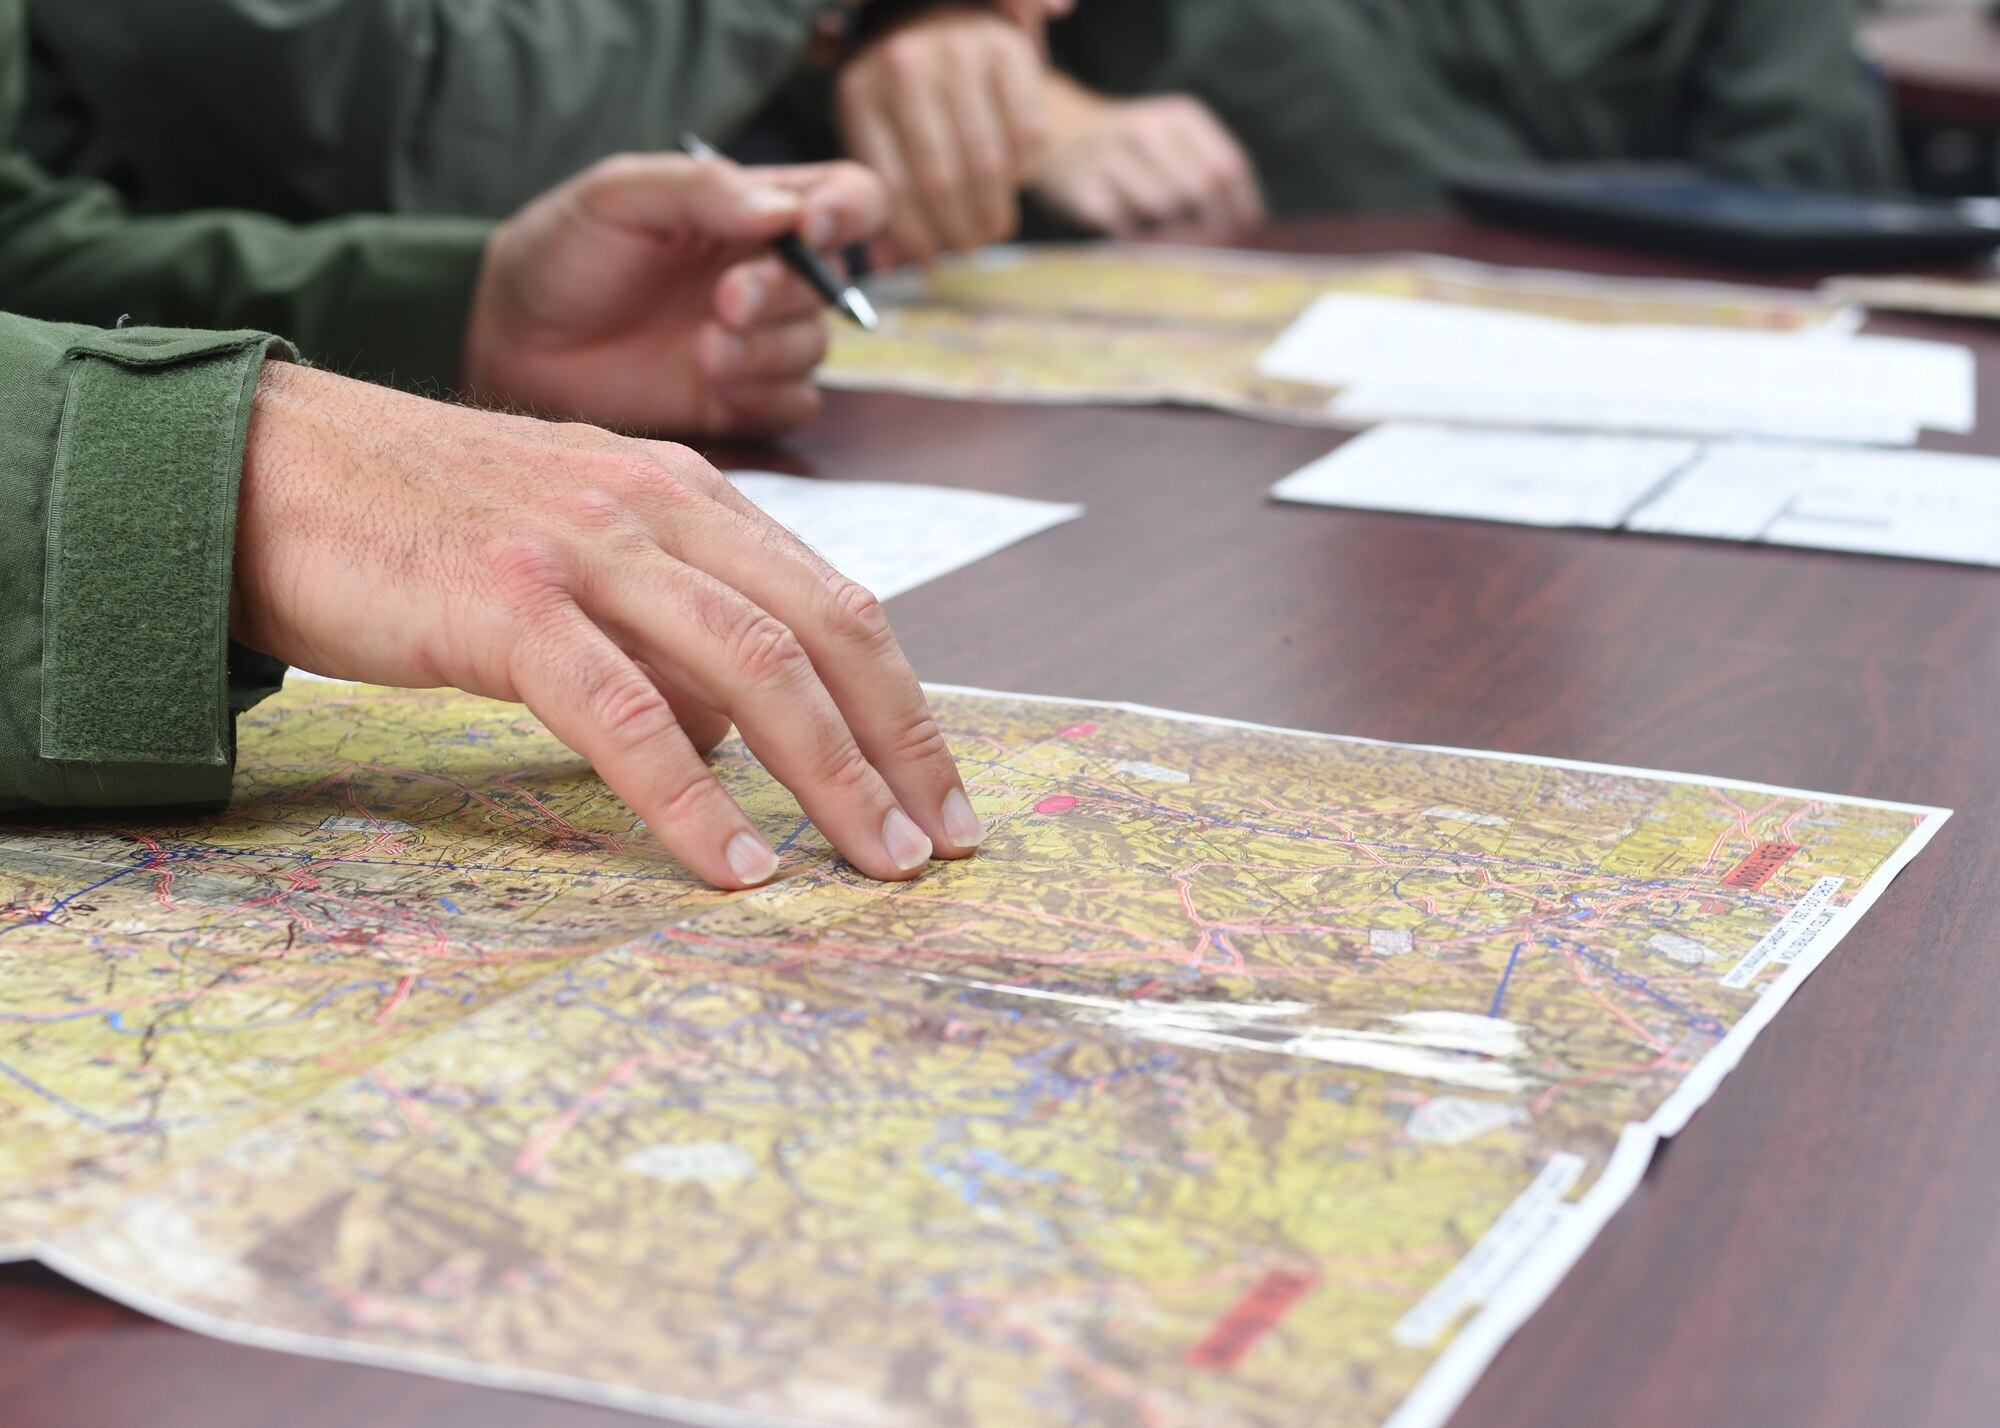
(1903, 503)
(890, 537)
(1398, 358)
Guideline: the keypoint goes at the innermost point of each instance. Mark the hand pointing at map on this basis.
(620, 588)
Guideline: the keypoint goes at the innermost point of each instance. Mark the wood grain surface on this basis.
(1820, 1247)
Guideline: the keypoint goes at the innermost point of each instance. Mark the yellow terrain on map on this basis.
(1133, 323)
(1227, 1085)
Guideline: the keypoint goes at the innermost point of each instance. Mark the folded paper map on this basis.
(1140, 323)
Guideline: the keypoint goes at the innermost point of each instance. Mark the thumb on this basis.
(671, 194)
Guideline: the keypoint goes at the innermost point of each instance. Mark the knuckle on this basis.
(630, 710)
(763, 650)
(843, 769)
(531, 573)
(582, 436)
(858, 614)
(905, 56)
(935, 181)
(612, 172)
(922, 742)
(591, 509)
(644, 480)
(687, 796)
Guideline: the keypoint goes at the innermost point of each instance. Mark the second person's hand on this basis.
(947, 108)
(641, 296)
(1160, 167)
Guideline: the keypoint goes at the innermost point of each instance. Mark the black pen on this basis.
(803, 260)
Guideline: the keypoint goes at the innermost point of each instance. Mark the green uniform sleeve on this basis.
(1373, 104)
(371, 297)
(406, 106)
(121, 453)
(366, 296)
(120, 457)
(1778, 95)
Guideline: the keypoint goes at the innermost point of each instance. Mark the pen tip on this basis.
(861, 310)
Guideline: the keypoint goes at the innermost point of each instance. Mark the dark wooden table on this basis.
(1944, 67)
(1820, 1247)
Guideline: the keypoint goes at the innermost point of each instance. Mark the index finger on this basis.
(596, 700)
(847, 637)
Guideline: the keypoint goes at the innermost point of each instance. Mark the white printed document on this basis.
(1918, 504)
(1530, 478)
(1414, 360)
(892, 537)
(1915, 504)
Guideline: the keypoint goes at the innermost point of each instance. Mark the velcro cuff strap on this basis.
(141, 532)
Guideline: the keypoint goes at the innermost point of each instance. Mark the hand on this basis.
(640, 295)
(948, 110)
(1161, 167)
(621, 589)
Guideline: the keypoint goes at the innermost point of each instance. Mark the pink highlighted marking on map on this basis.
(1077, 731)
(1057, 803)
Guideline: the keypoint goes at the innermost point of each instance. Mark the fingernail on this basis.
(772, 201)
(961, 824)
(819, 229)
(907, 845)
(751, 859)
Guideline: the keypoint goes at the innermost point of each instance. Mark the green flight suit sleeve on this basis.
(1777, 94)
(1373, 104)
(406, 106)
(120, 457)
(121, 453)
(370, 296)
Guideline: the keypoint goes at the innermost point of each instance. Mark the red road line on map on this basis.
(537, 1149)
(407, 1108)
(1619, 1014)
(1111, 1380)
(396, 999)
(1744, 818)
(1548, 1097)
(154, 854)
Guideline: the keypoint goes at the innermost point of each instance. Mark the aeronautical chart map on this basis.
(1145, 323)
(1246, 1078)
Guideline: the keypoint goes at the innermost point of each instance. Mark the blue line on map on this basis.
(452, 905)
(62, 902)
(115, 1020)
(1507, 976)
(794, 835)
(29, 1083)
(1637, 983)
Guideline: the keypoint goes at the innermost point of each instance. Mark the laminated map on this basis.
(1143, 323)
(1245, 1077)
